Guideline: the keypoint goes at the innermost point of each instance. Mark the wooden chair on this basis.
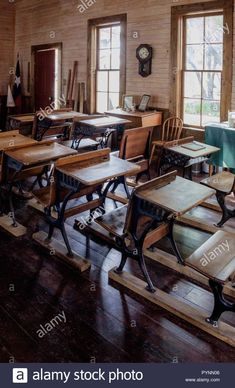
(171, 130)
(64, 189)
(135, 147)
(224, 184)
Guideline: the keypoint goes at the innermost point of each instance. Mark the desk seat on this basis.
(215, 258)
(222, 182)
(114, 221)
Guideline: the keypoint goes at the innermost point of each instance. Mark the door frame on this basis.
(36, 48)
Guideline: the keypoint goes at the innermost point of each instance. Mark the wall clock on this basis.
(144, 54)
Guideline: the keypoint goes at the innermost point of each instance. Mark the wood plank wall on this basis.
(7, 10)
(43, 22)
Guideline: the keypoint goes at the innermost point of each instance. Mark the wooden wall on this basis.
(40, 22)
(6, 43)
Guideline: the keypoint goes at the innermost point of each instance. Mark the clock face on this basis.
(143, 53)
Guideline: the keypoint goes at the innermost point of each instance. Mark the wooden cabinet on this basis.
(138, 119)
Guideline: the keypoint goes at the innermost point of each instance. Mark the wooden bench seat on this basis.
(223, 182)
(47, 195)
(114, 221)
(216, 260)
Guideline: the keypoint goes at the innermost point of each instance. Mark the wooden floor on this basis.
(103, 323)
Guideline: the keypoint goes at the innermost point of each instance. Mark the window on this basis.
(108, 68)
(202, 69)
(106, 82)
(201, 73)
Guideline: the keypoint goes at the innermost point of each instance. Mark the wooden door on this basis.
(44, 78)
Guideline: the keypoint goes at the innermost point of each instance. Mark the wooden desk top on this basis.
(179, 196)
(208, 150)
(124, 113)
(100, 172)
(13, 138)
(56, 116)
(104, 122)
(41, 152)
(23, 119)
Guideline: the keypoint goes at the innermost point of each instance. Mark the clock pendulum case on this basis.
(144, 54)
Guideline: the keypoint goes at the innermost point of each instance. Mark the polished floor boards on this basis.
(103, 323)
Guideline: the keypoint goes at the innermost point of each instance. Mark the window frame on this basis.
(93, 25)
(98, 61)
(184, 69)
(178, 15)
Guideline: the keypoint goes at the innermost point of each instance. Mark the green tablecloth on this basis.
(222, 136)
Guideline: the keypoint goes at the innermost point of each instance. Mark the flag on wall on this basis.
(17, 87)
(10, 99)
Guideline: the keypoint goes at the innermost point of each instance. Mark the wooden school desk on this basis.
(177, 153)
(22, 162)
(103, 126)
(77, 176)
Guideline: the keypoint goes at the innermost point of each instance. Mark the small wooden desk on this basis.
(12, 139)
(27, 161)
(18, 120)
(101, 126)
(179, 196)
(37, 154)
(23, 123)
(174, 154)
(208, 150)
(101, 172)
(138, 119)
(85, 176)
(63, 116)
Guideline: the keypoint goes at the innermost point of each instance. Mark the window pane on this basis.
(210, 112)
(213, 56)
(114, 81)
(214, 29)
(113, 100)
(192, 84)
(116, 31)
(105, 38)
(115, 59)
(102, 102)
(194, 28)
(194, 57)
(192, 111)
(211, 86)
(104, 59)
(102, 81)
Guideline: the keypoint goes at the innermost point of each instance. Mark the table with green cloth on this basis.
(223, 137)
